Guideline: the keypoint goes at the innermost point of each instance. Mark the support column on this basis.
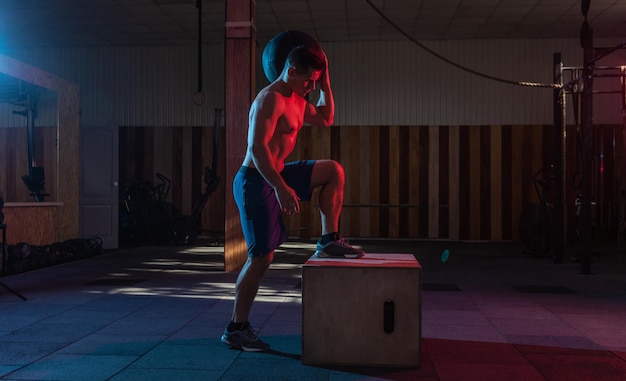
(240, 82)
(587, 146)
(560, 167)
(621, 149)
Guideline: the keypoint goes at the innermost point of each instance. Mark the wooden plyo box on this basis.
(365, 311)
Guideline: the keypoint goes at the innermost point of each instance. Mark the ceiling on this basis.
(63, 23)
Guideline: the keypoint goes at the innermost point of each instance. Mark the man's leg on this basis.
(239, 333)
(248, 284)
(329, 175)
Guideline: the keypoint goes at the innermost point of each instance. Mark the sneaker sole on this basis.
(321, 254)
(242, 347)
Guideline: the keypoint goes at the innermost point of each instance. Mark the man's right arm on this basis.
(263, 120)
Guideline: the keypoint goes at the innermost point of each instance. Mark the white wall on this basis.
(138, 86)
(375, 83)
(400, 83)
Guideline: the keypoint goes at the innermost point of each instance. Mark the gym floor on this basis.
(489, 312)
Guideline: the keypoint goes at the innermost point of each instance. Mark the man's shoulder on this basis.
(271, 95)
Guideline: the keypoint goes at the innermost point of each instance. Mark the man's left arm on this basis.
(322, 114)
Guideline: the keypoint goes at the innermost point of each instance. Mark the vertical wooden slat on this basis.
(216, 203)
(335, 143)
(188, 193)
(433, 184)
(517, 183)
(526, 163)
(351, 164)
(485, 182)
(196, 178)
(301, 223)
(304, 228)
(444, 179)
(464, 183)
(414, 181)
(537, 155)
(365, 172)
(454, 206)
(495, 168)
(21, 166)
(336, 151)
(375, 179)
(4, 159)
(424, 180)
(394, 181)
(162, 142)
(11, 165)
(507, 183)
(384, 177)
(148, 145)
(620, 166)
(404, 180)
(474, 205)
(50, 161)
(176, 169)
(297, 224)
(322, 142)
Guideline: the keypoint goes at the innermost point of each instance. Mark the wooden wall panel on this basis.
(35, 225)
(442, 182)
(180, 154)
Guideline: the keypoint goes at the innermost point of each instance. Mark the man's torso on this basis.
(288, 124)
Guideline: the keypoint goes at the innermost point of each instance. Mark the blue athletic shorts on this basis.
(259, 210)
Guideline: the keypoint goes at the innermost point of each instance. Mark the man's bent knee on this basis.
(263, 260)
(327, 171)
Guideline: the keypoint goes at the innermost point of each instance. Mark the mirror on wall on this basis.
(28, 141)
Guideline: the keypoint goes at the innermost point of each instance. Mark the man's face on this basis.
(303, 84)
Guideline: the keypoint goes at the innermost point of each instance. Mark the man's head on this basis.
(303, 68)
(303, 58)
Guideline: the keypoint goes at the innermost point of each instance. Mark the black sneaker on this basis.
(245, 340)
(338, 248)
